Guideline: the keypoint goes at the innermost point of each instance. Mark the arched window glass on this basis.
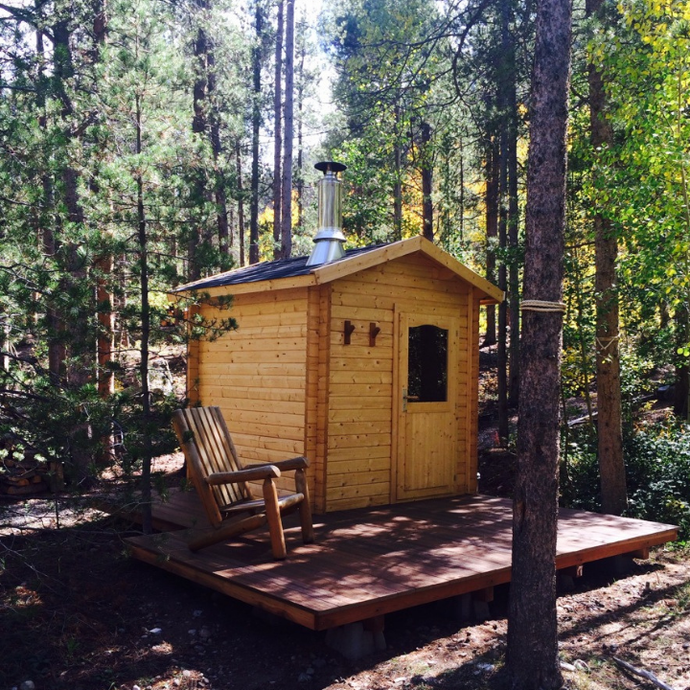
(427, 364)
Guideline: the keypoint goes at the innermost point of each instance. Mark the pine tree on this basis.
(532, 625)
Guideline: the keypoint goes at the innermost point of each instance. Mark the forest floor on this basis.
(76, 612)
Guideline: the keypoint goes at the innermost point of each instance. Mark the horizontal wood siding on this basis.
(257, 375)
(360, 402)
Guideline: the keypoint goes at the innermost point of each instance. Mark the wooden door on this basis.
(427, 427)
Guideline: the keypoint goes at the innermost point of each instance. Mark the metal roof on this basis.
(268, 270)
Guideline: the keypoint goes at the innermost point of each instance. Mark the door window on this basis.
(427, 364)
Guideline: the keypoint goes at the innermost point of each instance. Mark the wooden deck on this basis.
(366, 563)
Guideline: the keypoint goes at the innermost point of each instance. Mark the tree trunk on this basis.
(256, 131)
(219, 194)
(286, 225)
(532, 625)
(105, 343)
(199, 128)
(299, 185)
(397, 185)
(145, 336)
(82, 348)
(682, 383)
(461, 185)
(491, 206)
(100, 27)
(513, 264)
(80, 353)
(106, 327)
(427, 183)
(104, 264)
(56, 344)
(240, 203)
(614, 497)
(502, 350)
(277, 134)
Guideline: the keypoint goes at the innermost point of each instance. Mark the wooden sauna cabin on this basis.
(366, 364)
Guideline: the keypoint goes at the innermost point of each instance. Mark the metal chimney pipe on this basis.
(329, 240)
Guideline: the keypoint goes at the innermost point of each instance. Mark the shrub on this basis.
(657, 461)
(658, 473)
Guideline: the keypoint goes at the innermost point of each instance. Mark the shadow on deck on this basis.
(369, 562)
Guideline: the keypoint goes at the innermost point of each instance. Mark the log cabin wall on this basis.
(257, 374)
(363, 389)
(289, 384)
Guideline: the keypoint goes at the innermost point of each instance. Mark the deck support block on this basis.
(474, 605)
(357, 640)
(619, 565)
(573, 571)
(642, 554)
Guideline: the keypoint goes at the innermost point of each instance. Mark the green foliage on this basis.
(657, 461)
(387, 65)
(96, 139)
(644, 177)
(579, 470)
(658, 466)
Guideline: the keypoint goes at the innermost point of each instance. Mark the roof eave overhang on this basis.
(246, 288)
(327, 273)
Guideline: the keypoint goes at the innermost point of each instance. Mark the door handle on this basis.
(406, 397)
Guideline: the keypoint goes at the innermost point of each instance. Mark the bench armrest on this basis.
(248, 474)
(299, 463)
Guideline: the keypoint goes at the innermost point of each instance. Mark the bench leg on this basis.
(275, 524)
(304, 507)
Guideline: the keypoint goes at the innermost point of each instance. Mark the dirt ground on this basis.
(76, 612)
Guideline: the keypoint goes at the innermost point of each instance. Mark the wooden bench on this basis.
(221, 482)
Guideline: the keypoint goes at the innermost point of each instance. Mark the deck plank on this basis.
(373, 561)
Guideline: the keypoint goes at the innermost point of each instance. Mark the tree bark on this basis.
(49, 243)
(277, 134)
(502, 336)
(199, 128)
(256, 130)
(397, 184)
(513, 233)
(219, 194)
(82, 346)
(682, 382)
(286, 225)
(146, 516)
(104, 264)
(614, 497)
(532, 625)
(491, 206)
(240, 203)
(427, 183)
(106, 327)
(299, 185)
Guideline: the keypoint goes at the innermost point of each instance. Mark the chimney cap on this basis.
(330, 166)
